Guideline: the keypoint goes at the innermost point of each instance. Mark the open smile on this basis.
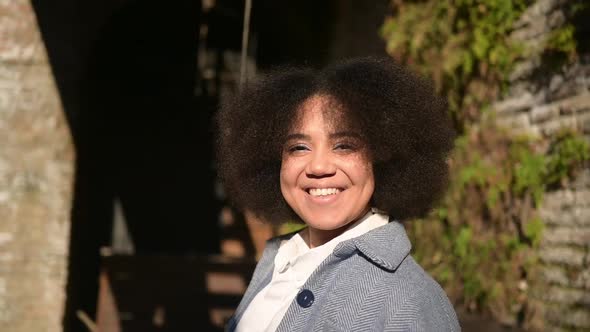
(326, 195)
(318, 192)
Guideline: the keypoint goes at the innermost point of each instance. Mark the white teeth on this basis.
(323, 191)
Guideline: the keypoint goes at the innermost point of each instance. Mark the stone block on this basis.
(578, 318)
(572, 216)
(570, 87)
(582, 197)
(581, 215)
(515, 104)
(578, 236)
(35, 179)
(566, 296)
(544, 113)
(554, 275)
(555, 82)
(575, 216)
(562, 255)
(538, 19)
(552, 127)
(575, 104)
(570, 318)
(534, 132)
(516, 121)
(581, 182)
(560, 199)
(520, 88)
(523, 69)
(566, 277)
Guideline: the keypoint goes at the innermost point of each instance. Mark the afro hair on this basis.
(403, 123)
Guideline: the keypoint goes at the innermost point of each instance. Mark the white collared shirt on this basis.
(293, 264)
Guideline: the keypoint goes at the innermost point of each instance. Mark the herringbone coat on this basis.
(369, 283)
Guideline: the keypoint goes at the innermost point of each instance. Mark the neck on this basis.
(314, 237)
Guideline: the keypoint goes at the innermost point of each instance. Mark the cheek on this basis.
(288, 184)
(291, 168)
(366, 179)
(283, 181)
(363, 171)
(285, 170)
(370, 174)
(369, 181)
(288, 177)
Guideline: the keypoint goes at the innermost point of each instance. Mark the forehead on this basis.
(322, 109)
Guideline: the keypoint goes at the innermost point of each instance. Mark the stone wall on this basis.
(35, 179)
(541, 102)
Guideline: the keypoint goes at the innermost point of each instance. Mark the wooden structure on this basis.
(170, 293)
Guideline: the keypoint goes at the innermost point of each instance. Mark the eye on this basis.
(297, 148)
(345, 146)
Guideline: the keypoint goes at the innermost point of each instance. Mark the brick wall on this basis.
(35, 179)
(540, 102)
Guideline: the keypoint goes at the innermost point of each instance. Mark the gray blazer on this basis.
(369, 283)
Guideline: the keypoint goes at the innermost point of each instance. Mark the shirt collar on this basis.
(295, 252)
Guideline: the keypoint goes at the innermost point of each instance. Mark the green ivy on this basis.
(488, 219)
(480, 242)
(529, 172)
(561, 44)
(568, 153)
(462, 45)
(562, 40)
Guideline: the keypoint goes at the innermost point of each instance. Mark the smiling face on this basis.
(326, 176)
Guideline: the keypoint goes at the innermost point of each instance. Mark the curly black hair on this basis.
(403, 123)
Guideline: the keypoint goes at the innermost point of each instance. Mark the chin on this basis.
(327, 224)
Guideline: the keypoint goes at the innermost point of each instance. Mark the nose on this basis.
(320, 164)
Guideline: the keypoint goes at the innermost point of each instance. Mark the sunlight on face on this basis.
(326, 176)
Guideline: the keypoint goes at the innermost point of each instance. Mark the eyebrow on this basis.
(339, 134)
(345, 134)
(297, 136)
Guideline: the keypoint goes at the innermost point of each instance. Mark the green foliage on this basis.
(461, 44)
(529, 172)
(488, 221)
(562, 40)
(480, 242)
(535, 172)
(568, 153)
(534, 230)
(561, 44)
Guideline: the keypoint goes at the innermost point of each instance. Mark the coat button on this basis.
(305, 298)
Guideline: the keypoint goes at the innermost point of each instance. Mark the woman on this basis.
(350, 151)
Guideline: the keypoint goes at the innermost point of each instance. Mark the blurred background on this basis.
(111, 216)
